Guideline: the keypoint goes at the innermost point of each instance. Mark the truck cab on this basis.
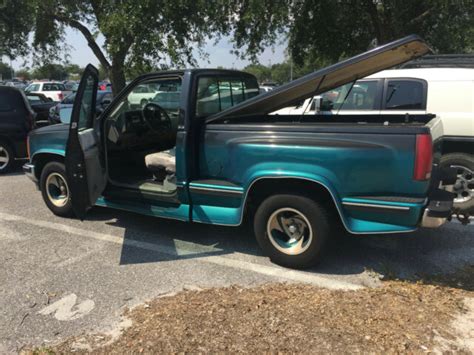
(206, 149)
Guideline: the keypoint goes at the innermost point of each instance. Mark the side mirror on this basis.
(316, 104)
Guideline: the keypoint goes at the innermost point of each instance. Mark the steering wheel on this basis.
(156, 117)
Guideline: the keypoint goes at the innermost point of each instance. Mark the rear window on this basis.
(11, 100)
(218, 93)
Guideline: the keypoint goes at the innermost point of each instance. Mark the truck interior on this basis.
(141, 138)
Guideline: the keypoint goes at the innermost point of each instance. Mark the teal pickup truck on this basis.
(205, 148)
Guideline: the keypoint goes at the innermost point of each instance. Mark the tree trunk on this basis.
(117, 76)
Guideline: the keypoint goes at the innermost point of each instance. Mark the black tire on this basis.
(311, 211)
(466, 164)
(55, 169)
(6, 152)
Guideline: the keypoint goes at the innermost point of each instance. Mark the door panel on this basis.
(85, 170)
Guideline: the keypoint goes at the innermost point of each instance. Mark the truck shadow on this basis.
(430, 255)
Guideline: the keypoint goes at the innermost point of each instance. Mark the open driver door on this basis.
(85, 165)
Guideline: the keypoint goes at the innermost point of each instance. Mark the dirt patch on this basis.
(398, 317)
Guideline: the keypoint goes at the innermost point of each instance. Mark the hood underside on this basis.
(349, 70)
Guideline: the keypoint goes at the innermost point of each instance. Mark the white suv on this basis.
(446, 92)
(52, 90)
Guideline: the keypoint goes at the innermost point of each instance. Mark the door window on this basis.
(360, 96)
(405, 95)
(87, 109)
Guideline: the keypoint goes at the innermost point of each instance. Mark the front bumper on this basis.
(29, 170)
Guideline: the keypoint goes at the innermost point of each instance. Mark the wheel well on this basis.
(457, 147)
(266, 187)
(40, 160)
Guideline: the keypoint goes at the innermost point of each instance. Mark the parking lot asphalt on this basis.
(62, 277)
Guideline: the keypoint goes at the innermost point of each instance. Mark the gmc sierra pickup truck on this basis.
(207, 150)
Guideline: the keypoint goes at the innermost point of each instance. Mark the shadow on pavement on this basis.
(426, 254)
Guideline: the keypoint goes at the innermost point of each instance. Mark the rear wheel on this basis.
(7, 158)
(55, 190)
(292, 230)
(464, 186)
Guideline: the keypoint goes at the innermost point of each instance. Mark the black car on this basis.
(61, 112)
(41, 105)
(16, 120)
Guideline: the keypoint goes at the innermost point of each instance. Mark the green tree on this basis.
(23, 74)
(50, 71)
(319, 30)
(138, 34)
(260, 71)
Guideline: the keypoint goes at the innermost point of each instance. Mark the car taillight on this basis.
(60, 96)
(423, 157)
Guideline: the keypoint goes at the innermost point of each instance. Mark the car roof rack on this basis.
(441, 61)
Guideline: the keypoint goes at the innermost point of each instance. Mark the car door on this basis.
(85, 166)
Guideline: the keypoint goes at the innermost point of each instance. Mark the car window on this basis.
(360, 96)
(35, 99)
(53, 87)
(167, 100)
(10, 101)
(216, 94)
(405, 95)
(69, 99)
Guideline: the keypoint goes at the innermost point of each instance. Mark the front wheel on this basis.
(55, 190)
(292, 230)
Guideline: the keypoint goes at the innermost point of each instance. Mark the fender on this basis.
(279, 174)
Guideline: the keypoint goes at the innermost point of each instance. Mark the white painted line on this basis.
(184, 248)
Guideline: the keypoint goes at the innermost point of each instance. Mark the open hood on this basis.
(349, 70)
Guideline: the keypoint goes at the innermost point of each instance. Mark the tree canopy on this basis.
(137, 34)
(323, 31)
(146, 34)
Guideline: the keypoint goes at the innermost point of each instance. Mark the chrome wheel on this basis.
(4, 158)
(464, 186)
(289, 231)
(57, 190)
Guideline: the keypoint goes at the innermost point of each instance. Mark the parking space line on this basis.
(184, 248)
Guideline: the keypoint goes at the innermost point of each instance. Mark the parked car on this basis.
(71, 86)
(142, 95)
(212, 159)
(17, 84)
(16, 120)
(55, 91)
(41, 106)
(105, 86)
(446, 92)
(61, 112)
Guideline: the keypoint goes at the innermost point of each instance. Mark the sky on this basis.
(219, 54)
